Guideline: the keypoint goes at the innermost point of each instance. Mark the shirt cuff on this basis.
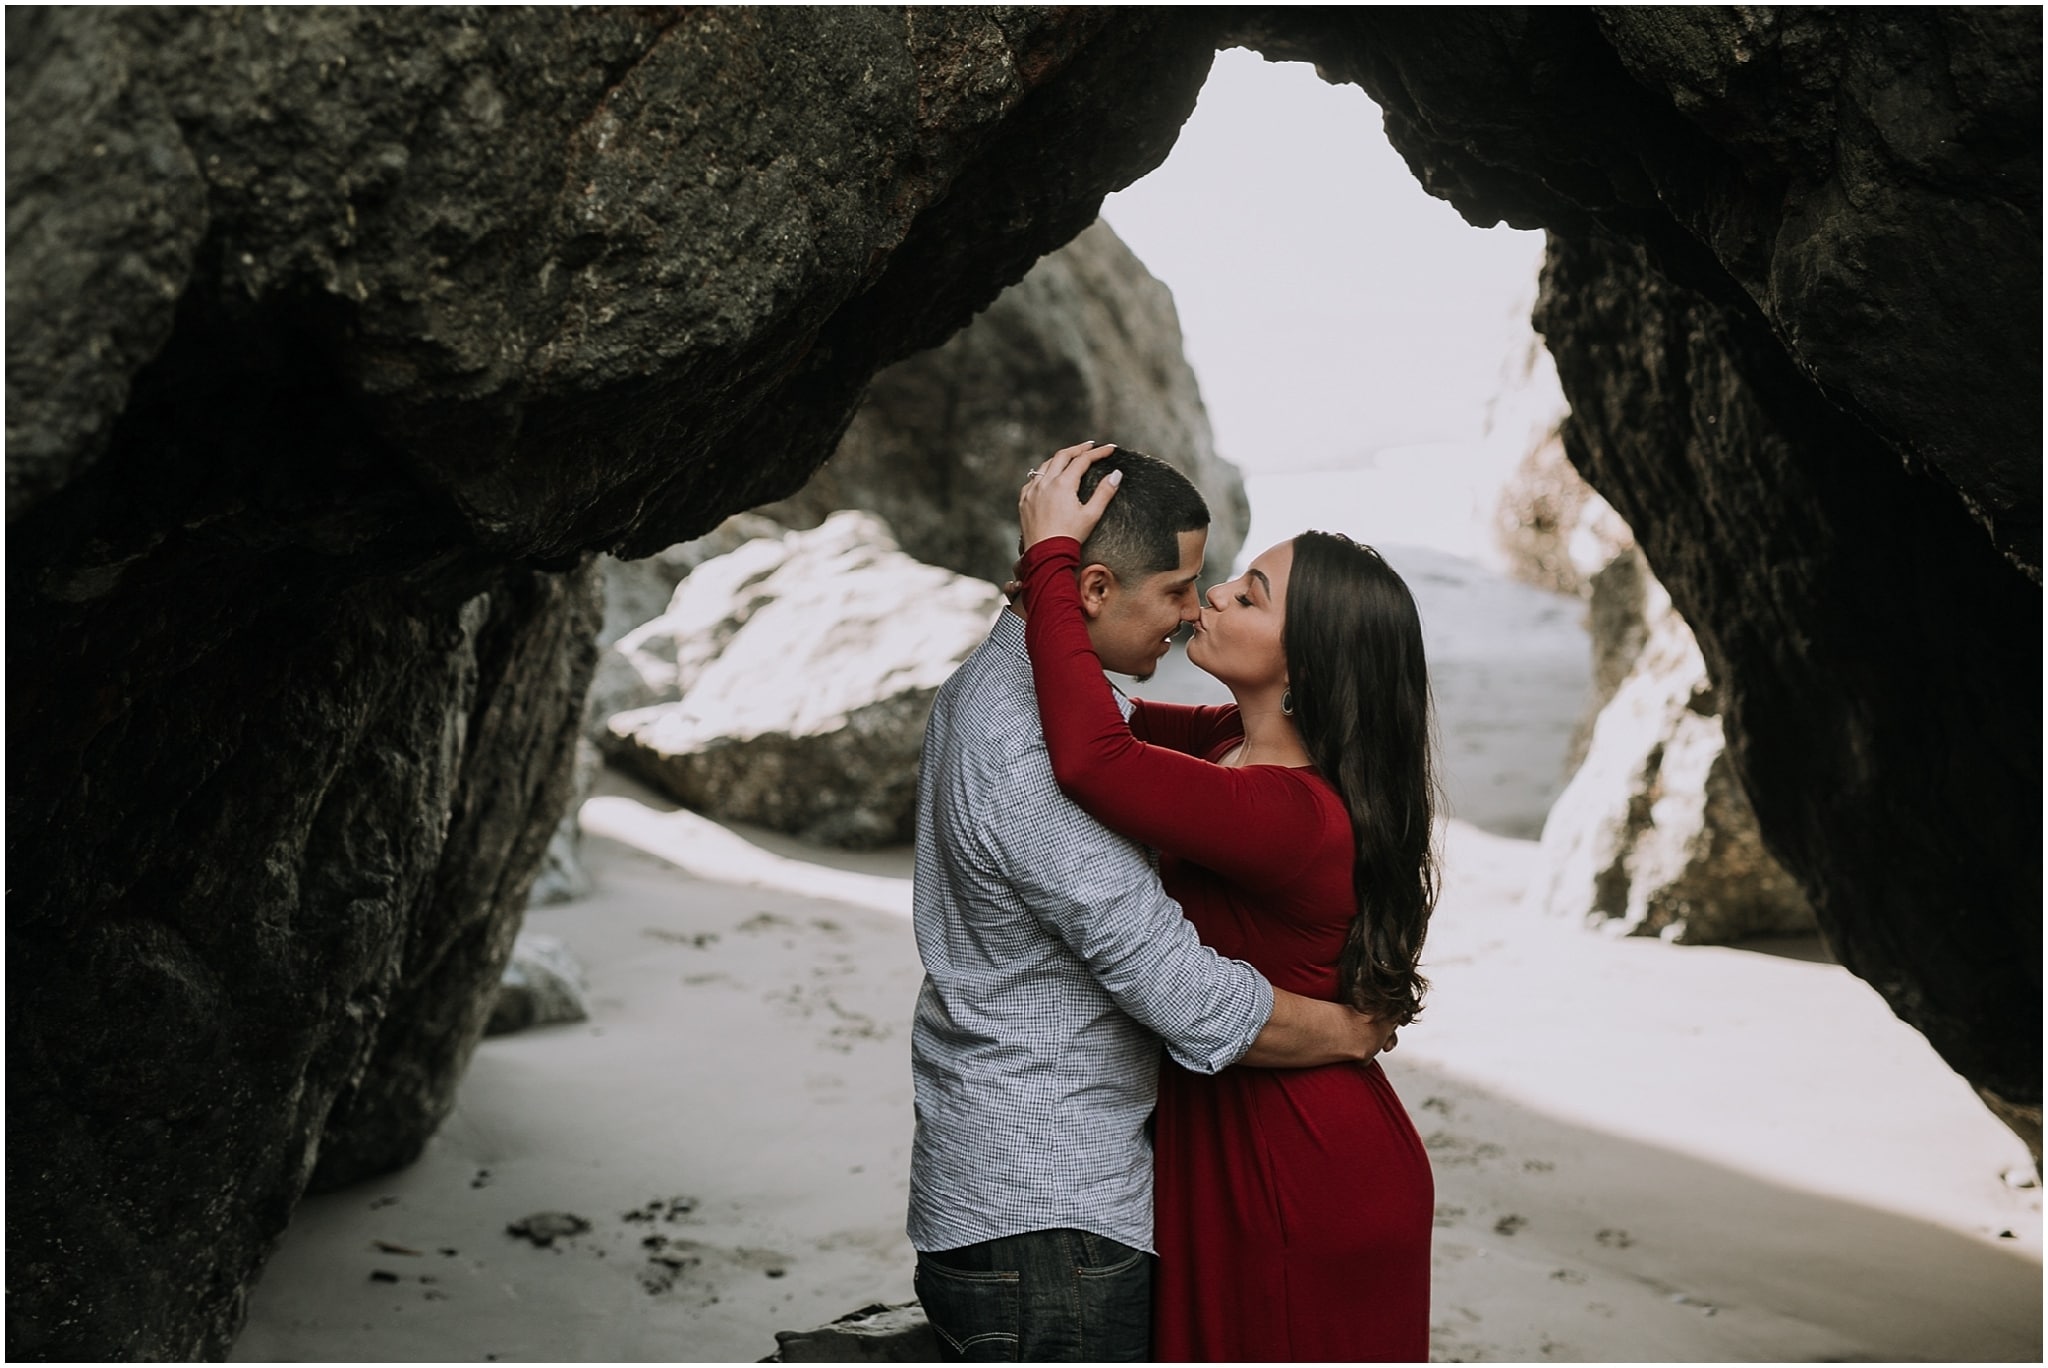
(1237, 1043)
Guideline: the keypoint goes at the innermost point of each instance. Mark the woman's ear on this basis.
(1098, 586)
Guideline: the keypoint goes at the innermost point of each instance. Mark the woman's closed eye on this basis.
(1245, 599)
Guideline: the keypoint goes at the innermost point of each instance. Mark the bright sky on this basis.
(1331, 308)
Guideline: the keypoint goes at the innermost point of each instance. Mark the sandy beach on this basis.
(1642, 1151)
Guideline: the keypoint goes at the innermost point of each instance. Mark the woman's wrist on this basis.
(1036, 552)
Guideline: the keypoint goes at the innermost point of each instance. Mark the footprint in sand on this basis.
(851, 1028)
(668, 1210)
(543, 1228)
(698, 940)
(666, 1264)
(793, 1000)
(1448, 1150)
(670, 1260)
(1509, 1224)
(1615, 1239)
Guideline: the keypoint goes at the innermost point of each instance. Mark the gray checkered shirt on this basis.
(1054, 967)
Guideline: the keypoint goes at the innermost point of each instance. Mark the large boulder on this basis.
(638, 591)
(1557, 533)
(519, 744)
(637, 673)
(542, 985)
(657, 661)
(806, 668)
(269, 963)
(1554, 529)
(1087, 345)
(1653, 836)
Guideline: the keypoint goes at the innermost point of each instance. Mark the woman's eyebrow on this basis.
(1264, 583)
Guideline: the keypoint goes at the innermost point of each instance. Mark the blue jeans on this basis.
(1047, 1296)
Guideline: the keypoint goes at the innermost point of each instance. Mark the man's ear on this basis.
(1098, 586)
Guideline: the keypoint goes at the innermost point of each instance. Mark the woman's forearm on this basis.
(1304, 1032)
(1172, 802)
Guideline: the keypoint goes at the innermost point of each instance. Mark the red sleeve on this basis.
(1188, 728)
(1249, 825)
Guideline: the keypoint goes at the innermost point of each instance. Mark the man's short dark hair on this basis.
(1139, 534)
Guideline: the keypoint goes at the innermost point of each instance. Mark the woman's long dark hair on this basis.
(1353, 641)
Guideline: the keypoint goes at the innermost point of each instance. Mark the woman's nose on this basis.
(1214, 597)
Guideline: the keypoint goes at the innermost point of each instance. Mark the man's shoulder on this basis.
(989, 707)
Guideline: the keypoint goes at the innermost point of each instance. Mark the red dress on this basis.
(1292, 1208)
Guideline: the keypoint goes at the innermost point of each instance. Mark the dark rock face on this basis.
(524, 740)
(338, 339)
(1874, 652)
(1864, 183)
(277, 948)
(1086, 346)
(546, 253)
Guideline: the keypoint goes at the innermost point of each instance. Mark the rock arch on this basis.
(338, 341)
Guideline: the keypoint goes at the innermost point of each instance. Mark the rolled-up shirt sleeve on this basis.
(1100, 894)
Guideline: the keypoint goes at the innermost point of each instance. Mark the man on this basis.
(1055, 966)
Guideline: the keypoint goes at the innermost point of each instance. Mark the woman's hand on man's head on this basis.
(1050, 502)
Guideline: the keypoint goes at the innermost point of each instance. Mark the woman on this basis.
(1292, 1208)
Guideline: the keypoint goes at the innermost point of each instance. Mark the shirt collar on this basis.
(1009, 634)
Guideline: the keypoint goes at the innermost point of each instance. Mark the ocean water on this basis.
(1510, 666)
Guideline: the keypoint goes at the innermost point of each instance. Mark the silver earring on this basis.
(1287, 702)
